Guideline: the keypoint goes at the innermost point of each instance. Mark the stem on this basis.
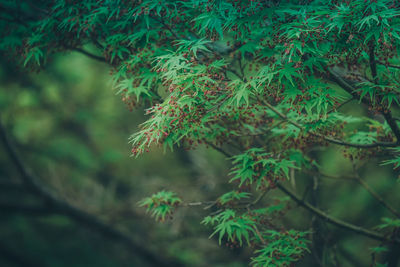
(256, 230)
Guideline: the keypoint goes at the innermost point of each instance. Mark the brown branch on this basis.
(388, 65)
(348, 178)
(256, 230)
(377, 197)
(335, 77)
(386, 113)
(235, 72)
(199, 203)
(358, 179)
(335, 221)
(92, 56)
(341, 105)
(62, 207)
(259, 198)
(327, 138)
(219, 149)
(161, 21)
(373, 193)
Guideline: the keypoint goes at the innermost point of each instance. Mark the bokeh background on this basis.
(71, 129)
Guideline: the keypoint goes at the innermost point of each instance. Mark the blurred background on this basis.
(71, 130)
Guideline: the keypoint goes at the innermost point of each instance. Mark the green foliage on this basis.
(389, 223)
(232, 196)
(395, 161)
(235, 227)
(255, 165)
(281, 248)
(267, 83)
(161, 205)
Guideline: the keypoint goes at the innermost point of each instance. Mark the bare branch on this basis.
(373, 193)
(84, 52)
(377, 197)
(335, 221)
(219, 149)
(358, 179)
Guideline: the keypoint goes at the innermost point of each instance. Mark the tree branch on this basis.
(377, 197)
(335, 77)
(373, 193)
(341, 105)
(218, 149)
(92, 56)
(327, 138)
(335, 221)
(386, 113)
(358, 179)
(388, 65)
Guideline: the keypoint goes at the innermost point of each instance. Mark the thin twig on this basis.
(377, 197)
(256, 230)
(199, 203)
(357, 178)
(258, 199)
(373, 193)
(335, 77)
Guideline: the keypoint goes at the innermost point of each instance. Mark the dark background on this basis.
(71, 130)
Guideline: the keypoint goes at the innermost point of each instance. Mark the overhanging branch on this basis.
(335, 221)
(327, 138)
(88, 54)
(338, 79)
(330, 219)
